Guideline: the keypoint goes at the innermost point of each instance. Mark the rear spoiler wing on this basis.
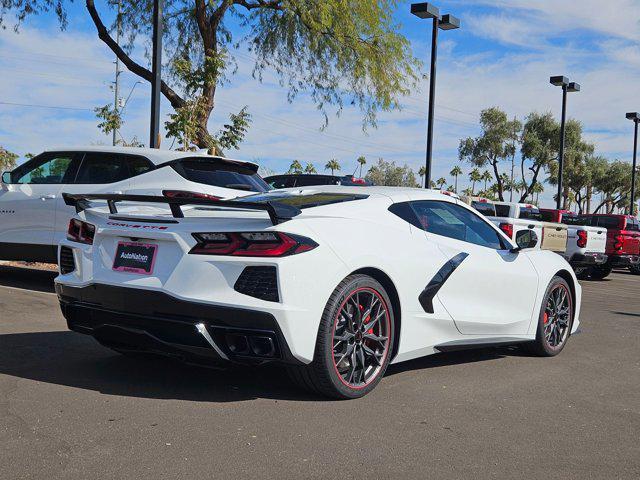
(278, 212)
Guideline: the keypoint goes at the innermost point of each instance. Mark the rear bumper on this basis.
(588, 259)
(138, 320)
(623, 261)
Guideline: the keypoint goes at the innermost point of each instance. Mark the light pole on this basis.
(567, 87)
(444, 22)
(156, 71)
(635, 116)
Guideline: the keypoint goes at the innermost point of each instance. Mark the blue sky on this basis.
(502, 56)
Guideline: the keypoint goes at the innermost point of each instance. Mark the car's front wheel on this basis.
(635, 269)
(353, 349)
(555, 320)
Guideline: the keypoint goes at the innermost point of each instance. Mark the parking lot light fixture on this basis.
(567, 87)
(427, 11)
(635, 117)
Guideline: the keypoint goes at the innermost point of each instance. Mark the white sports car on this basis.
(34, 217)
(334, 282)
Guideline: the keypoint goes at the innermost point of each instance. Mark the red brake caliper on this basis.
(546, 318)
(366, 320)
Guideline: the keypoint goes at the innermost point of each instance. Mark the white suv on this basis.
(34, 217)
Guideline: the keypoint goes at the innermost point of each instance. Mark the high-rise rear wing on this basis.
(278, 212)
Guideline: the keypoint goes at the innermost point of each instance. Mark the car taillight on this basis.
(251, 244)
(618, 242)
(582, 238)
(507, 228)
(187, 194)
(81, 232)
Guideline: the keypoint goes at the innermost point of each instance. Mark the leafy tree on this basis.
(295, 167)
(7, 159)
(494, 144)
(441, 182)
(309, 169)
(314, 47)
(421, 173)
(576, 172)
(615, 186)
(455, 173)
(475, 176)
(362, 161)
(390, 174)
(110, 119)
(332, 165)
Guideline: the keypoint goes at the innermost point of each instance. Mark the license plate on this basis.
(134, 257)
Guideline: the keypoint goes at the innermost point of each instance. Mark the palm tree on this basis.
(451, 189)
(475, 176)
(295, 167)
(310, 169)
(362, 161)
(332, 165)
(441, 182)
(421, 173)
(454, 173)
(486, 177)
(468, 192)
(537, 190)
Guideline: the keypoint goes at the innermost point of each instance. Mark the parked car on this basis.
(334, 282)
(513, 217)
(623, 243)
(34, 217)
(586, 245)
(308, 180)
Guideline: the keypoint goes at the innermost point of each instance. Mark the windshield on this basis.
(303, 201)
(220, 173)
(502, 210)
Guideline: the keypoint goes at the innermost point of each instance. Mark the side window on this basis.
(101, 168)
(138, 165)
(453, 221)
(406, 213)
(49, 169)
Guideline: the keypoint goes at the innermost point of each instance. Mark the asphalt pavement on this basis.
(71, 409)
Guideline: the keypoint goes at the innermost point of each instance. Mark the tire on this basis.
(555, 320)
(583, 273)
(601, 272)
(335, 372)
(635, 269)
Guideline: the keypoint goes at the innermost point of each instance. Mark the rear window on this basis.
(612, 223)
(502, 210)
(486, 209)
(303, 201)
(530, 213)
(574, 220)
(219, 173)
(633, 225)
(548, 216)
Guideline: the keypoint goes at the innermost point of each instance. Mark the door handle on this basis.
(47, 197)
(531, 227)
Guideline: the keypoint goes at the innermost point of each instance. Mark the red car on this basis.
(623, 243)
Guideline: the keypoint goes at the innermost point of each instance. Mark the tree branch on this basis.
(103, 34)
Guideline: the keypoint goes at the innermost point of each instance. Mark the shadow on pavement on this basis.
(71, 359)
(27, 278)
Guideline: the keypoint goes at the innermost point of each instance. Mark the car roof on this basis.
(156, 156)
(396, 194)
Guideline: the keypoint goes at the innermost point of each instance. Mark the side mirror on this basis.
(525, 239)
(6, 178)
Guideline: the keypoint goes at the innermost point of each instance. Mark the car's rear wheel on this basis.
(353, 349)
(635, 269)
(600, 272)
(555, 320)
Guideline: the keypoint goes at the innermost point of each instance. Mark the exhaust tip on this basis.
(262, 346)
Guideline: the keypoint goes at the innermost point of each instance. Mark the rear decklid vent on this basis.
(259, 282)
(67, 262)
